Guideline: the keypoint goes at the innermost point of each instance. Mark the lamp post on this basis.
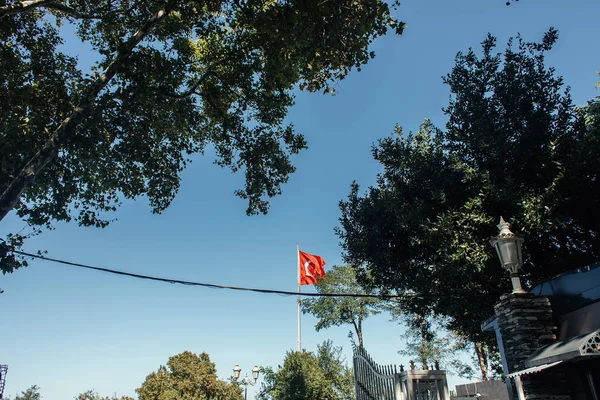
(508, 247)
(3, 370)
(246, 381)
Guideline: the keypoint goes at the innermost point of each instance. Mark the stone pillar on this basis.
(526, 324)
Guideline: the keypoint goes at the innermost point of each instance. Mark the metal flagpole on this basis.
(298, 269)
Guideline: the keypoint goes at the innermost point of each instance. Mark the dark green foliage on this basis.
(172, 79)
(8, 260)
(336, 311)
(514, 146)
(188, 376)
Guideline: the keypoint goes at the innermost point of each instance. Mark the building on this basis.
(549, 338)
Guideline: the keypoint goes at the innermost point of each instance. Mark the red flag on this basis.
(310, 266)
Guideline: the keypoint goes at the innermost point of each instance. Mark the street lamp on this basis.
(508, 247)
(246, 381)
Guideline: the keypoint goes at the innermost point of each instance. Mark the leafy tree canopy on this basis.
(306, 376)
(336, 370)
(172, 79)
(336, 311)
(188, 376)
(514, 146)
(92, 395)
(33, 393)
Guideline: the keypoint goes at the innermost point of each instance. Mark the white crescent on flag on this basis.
(306, 264)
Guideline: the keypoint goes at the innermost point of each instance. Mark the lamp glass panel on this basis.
(507, 250)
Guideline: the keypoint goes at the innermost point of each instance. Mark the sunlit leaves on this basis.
(305, 376)
(208, 73)
(188, 376)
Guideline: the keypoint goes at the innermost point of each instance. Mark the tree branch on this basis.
(358, 329)
(192, 89)
(53, 5)
(72, 12)
(22, 7)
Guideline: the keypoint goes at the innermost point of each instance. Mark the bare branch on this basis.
(55, 6)
(22, 7)
(71, 11)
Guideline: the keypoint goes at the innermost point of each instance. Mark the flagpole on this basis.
(298, 269)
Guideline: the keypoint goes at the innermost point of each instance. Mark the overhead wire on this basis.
(238, 288)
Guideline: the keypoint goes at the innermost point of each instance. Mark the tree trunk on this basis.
(482, 358)
(424, 364)
(27, 175)
(358, 329)
(426, 339)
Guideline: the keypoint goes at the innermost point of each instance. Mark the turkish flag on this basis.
(310, 266)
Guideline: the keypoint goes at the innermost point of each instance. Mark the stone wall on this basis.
(526, 324)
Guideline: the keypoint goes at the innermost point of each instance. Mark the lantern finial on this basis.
(504, 228)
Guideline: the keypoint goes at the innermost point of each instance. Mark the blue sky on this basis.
(68, 330)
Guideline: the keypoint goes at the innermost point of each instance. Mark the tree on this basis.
(171, 79)
(33, 393)
(92, 395)
(514, 146)
(427, 341)
(305, 376)
(336, 370)
(423, 344)
(336, 311)
(188, 376)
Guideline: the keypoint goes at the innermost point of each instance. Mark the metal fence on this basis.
(373, 381)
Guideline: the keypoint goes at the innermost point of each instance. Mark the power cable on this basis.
(215, 286)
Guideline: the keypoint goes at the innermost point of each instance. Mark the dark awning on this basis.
(586, 345)
(533, 369)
